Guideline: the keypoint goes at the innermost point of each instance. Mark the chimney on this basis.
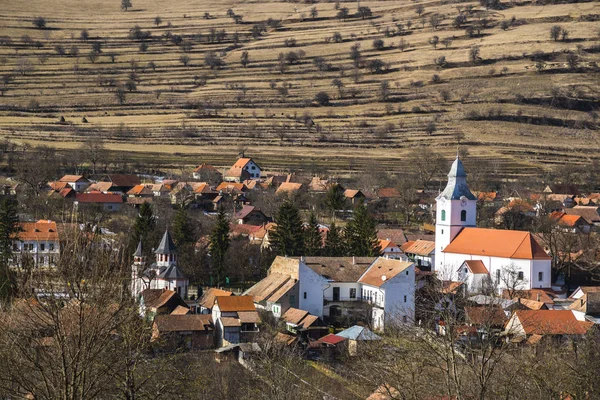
(539, 297)
(302, 258)
(353, 260)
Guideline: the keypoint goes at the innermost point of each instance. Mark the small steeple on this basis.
(457, 183)
(166, 253)
(166, 245)
(138, 250)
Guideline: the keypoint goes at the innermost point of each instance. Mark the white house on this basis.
(37, 241)
(244, 168)
(77, 182)
(389, 286)
(512, 258)
(338, 286)
(390, 249)
(162, 274)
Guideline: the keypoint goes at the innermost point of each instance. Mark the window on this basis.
(407, 272)
(352, 293)
(442, 231)
(292, 299)
(443, 215)
(497, 276)
(51, 246)
(463, 215)
(42, 247)
(404, 319)
(540, 276)
(520, 276)
(305, 295)
(405, 298)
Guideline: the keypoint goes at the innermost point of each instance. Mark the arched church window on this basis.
(463, 215)
(443, 215)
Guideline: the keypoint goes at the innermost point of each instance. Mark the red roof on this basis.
(40, 230)
(551, 322)
(99, 198)
(332, 339)
(384, 193)
(235, 303)
(497, 243)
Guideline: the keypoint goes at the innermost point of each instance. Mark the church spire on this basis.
(457, 186)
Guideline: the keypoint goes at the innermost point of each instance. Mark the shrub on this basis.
(434, 40)
(376, 66)
(378, 44)
(555, 32)
(435, 78)
(185, 60)
(364, 12)
(322, 98)
(39, 22)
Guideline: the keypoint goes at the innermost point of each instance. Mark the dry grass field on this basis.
(527, 101)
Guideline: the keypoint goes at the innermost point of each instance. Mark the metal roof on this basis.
(457, 183)
(166, 245)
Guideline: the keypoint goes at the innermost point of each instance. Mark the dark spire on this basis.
(166, 245)
(457, 183)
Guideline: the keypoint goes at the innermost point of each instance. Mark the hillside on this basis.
(524, 100)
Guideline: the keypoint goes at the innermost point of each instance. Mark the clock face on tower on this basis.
(463, 201)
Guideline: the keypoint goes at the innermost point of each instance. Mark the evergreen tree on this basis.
(143, 228)
(313, 242)
(361, 234)
(335, 199)
(183, 231)
(219, 244)
(334, 243)
(9, 228)
(288, 237)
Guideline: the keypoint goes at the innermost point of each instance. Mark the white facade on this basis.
(44, 253)
(312, 287)
(456, 209)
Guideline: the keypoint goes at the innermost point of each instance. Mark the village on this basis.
(477, 270)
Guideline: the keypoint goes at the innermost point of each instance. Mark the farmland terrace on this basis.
(206, 78)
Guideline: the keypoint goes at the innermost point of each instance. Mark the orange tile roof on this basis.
(235, 303)
(241, 162)
(351, 193)
(386, 193)
(231, 186)
(58, 186)
(551, 322)
(382, 270)
(40, 230)
(487, 196)
(208, 298)
(385, 243)
(419, 247)
(180, 310)
(476, 267)
(294, 315)
(139, 189)
(543, 295)
(178, 323)
(72, 178)
(205, 166)
(497, 243)
(99, 198)
(451, 286)
(288, 187)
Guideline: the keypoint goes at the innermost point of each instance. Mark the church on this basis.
(162, 274)
(477, 256)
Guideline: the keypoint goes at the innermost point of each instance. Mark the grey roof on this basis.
(457, 183)
(358, 333)
(138, 250)
(170, 272)
(166, 245)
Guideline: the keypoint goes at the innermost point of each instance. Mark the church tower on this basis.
(456, 209)
(136, 269)
(166, 253)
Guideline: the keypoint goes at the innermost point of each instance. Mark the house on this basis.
(389, 287)
(122, 183)
(356, 334)
(250, 215)
(189, 332)
(355, 196)
(591, 214)
(570, 222)
(333, 287)
(586, 300)
(140, 191)
(319, 185)
(545, 296)
(77, 182)
(159, 302)
(110, 202)
(207, 173)
(390, 249)
(533, 324)
(36, 241)
(277, 292)
(162, 274)
(235, 318)
(231, 188)
(504, 253)
(303, 325)
(244, 168)
(208, 299)
(100, 187)
(61, 189)
(422, 252)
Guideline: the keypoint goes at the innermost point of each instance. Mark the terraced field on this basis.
(525, 100)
